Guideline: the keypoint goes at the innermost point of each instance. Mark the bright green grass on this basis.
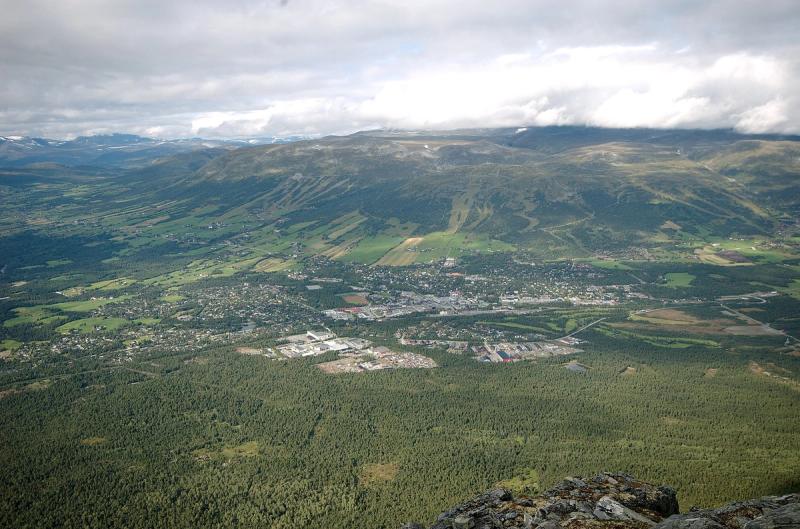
(88, 325)
(172, 298)
(370, 249)
(754, 249)
(342, 229)
(679, 279)
(440, 244)
(86, 305)
(202, 269)
(328, 228)
(10, 345)
(45, 314)
(461, 241)
(112, 284)
(793, 288)
(52, 319)
(37, 315)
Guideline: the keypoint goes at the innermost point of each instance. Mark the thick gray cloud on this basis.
(277, 67)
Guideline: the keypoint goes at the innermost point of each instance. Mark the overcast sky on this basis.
(216, 68)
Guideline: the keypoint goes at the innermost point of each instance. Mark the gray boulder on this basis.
(771, 512)
(463, 521)
(617, 501)
(786, 517)
(608, 509)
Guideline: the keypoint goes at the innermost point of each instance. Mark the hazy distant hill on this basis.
(108, 150)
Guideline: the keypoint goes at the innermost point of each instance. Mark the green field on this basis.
(10, 345)
(679, 279)
(112, 284)
(33, 315)
(172, 298)
(438, 245)
(370, 249)
(87, 325)
(87, 305)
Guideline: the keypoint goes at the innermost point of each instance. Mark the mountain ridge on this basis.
(486, 187)
(400, 198)
(612, 501)
(115, 150)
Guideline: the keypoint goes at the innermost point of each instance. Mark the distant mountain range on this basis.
(399, 197)
(110, 150)
(617, 501)
(581, 190)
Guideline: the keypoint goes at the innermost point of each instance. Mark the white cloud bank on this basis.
(267, 68)
(619, 87)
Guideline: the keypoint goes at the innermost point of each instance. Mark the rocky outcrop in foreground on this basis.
(613, 501)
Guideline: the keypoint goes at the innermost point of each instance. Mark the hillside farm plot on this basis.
(54, 313)
(37, 315)
(274, 264)
(88, 325)
(714, 321)
(200, 270)
(679, 279)
(370, 249)
(87, 305)
(172, 298)
(112, 284)
(744, 252)
(404, 253)
(439, 245)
